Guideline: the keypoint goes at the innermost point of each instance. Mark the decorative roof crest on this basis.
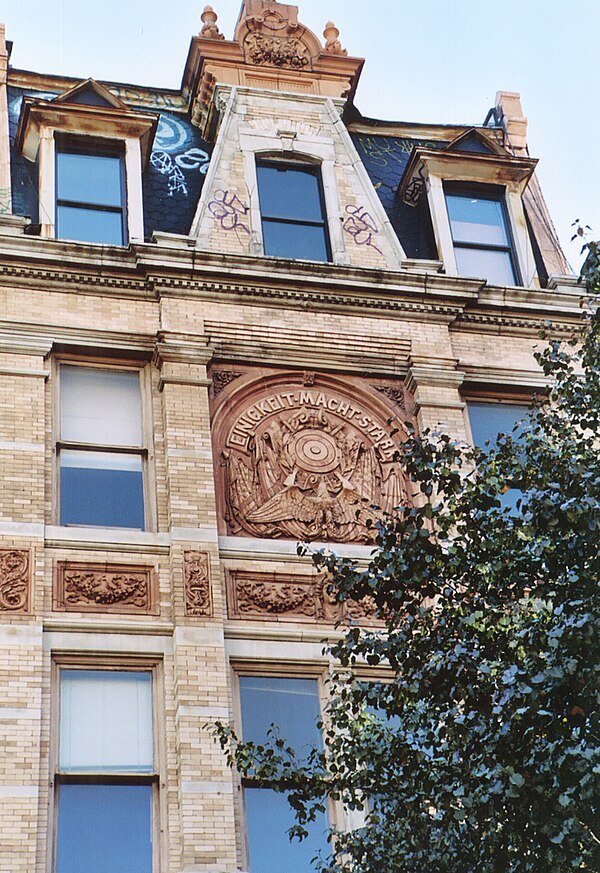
(271, 35)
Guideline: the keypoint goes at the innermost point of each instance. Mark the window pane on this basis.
(89, 225)
(489, 419)
(101, 488)
(287, 192)
(269, 818)
(94, 179)
(295, 241)
(100, 406)
(492, 265)
(477, 220)
(104, 829)
(291, 704)
(106, 721)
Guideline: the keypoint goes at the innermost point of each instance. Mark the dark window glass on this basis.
(89, 225)
(269, 819)
(101, 409)
(292, 210)
(90, 194)
(487, 421)
(101, 488)
(293, 706)
(481, 236)
(104, 829)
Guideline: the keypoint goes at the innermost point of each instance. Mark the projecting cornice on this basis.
(149, 272)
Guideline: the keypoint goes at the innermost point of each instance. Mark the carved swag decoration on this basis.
(14, 580)
(309, 465)
(196, 579)
(116, 588)
(291, 598)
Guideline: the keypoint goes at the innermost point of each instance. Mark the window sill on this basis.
(118, 539)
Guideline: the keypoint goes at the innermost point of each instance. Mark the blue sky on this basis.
(426, 60)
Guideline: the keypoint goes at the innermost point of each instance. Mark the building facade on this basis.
(219, 307)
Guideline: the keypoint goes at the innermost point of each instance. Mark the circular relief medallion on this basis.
(315, 451)
(309, 465)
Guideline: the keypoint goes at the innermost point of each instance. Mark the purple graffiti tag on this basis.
(361, 225)
(227, 209)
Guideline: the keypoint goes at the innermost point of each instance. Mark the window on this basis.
(294, 223)
(100, 447)
(90, 191)
(106, 774)
(293, 705)
(481, 236)
(487, 420)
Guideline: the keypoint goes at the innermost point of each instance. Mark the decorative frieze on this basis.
(15, 580)
(295, 598)
(196, 583)
(105, 588)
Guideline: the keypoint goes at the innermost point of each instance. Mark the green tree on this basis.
(479, 748)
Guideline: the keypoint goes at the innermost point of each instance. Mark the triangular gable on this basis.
(91, 93)
(474, 141)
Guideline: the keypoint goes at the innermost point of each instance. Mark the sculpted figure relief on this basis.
(309, 465)
(277, 51)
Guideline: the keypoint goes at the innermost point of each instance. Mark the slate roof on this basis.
(385, 159)
(171, 182)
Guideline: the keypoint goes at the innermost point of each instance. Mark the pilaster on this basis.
(435, 383)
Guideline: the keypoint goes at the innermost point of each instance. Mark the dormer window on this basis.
(292, 208)
(91, 191)
(483, 246)
(474, 189)
(92, 148)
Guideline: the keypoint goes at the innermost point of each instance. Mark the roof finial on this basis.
(333, 45)
(209, 21)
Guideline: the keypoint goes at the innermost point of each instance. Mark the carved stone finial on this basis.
(333, 45)
(209, 24)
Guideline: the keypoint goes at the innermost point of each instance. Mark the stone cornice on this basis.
(25, 338)
(150, 271)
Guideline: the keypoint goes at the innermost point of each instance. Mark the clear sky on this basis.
(438, 61)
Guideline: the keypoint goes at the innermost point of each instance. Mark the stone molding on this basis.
(105, 588)
(197, 583)
(290, 598)
(15, 580)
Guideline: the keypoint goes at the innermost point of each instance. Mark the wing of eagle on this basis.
(290, 503)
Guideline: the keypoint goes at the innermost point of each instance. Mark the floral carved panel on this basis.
(291, 598)
(15, 580)
(307, 462)
(196, 580)
(105, 588)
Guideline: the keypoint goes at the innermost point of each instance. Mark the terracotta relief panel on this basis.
(306, 459)
(105, 588)
(196, 580)
(296, 598)
(15, 580)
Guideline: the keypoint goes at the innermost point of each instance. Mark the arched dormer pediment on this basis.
(269, 33)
